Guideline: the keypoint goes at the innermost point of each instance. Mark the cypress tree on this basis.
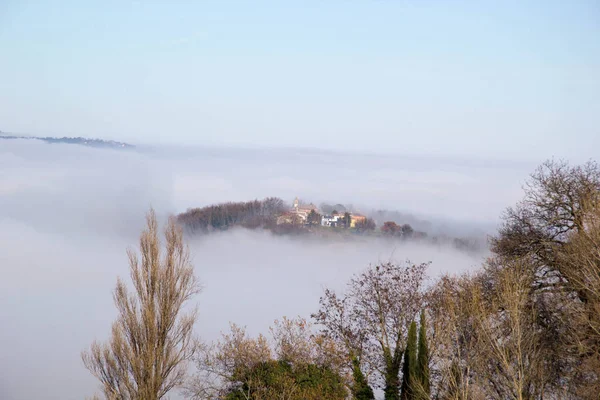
(423, 360)
(361, 389)
(409, 369)
(393, 362)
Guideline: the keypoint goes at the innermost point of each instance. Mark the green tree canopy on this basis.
(361, 389)
(423, 361)
(272, 379)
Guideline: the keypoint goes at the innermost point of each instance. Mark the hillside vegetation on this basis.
(263, 214)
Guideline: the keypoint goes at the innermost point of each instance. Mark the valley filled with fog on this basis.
(68, 214)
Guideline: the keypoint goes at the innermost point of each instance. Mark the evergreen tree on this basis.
(423, 360)
(361, 389)
(347, 220)
(409, 369)
(314, 218)
(267, 380)
(391, 391)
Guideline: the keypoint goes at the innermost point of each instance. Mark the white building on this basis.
(330, 220)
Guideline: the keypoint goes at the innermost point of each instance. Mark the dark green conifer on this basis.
(409, 369)
(361, 389)
(423, 361)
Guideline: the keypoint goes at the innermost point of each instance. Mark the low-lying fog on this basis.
(67, 214)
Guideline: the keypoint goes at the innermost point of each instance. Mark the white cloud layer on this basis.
(68, 213)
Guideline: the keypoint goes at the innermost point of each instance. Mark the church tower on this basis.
(296, 204)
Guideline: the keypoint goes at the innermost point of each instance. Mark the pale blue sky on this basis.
(487, 78)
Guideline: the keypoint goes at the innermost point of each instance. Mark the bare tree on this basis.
(151, 342)
(453, 343)
(581, 261)
(488, 342)
(510, 363)
(552, 208)
(371, 319)
(538, 232)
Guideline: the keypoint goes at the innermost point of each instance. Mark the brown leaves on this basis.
(580, 259)
(488, 340)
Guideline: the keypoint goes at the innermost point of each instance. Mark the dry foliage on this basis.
(553, 230)
(151, 339)
(509, 358)
(487, 342)
(453, 342)
(553, 207)
(581, 260)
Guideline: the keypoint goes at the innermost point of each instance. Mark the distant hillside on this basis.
(274, 215)
(98, 143)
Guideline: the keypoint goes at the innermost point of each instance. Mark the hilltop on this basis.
(323, 222)
(97, 143)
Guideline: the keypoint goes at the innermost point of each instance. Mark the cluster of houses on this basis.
(303, 214)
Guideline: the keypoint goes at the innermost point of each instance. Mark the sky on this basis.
(491, 79)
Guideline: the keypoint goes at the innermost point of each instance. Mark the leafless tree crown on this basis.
(151, 340)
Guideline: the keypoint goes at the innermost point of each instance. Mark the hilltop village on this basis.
(272, 213)
(309, 215)
(302, 218)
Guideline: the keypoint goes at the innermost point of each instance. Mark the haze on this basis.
(68, 213)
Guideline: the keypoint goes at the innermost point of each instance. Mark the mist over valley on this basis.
(68, 214)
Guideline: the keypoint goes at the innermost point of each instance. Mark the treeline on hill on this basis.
(526, 326)
(250, 214)
(260, 214)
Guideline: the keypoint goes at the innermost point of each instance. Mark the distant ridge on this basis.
(98, 143)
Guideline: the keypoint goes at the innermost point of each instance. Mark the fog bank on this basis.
(68, 213)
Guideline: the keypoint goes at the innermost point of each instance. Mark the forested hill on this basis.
(218, 217)
(272, 214)
(98, 143)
